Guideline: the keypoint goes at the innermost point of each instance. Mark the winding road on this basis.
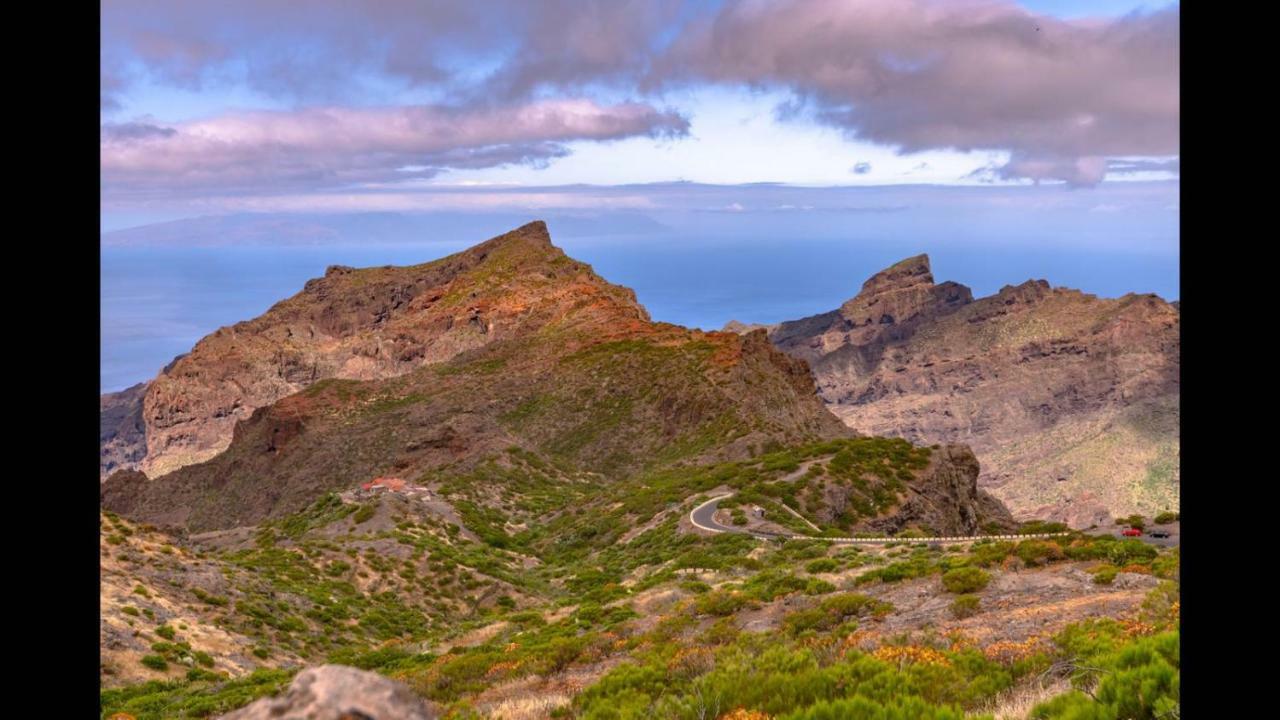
(703, 518)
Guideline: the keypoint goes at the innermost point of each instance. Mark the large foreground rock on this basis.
(338, 692)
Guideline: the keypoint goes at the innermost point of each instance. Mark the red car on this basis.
(1131, 532)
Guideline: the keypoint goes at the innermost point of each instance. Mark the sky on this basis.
(1039, 129)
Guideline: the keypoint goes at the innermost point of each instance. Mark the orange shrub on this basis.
(1007, 652)
(904, 654)
(744, 714)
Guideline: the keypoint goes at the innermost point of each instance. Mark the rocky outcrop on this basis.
(122, 438)
(891, 305)
(946, 499)
(1070, 401)
(338, 692)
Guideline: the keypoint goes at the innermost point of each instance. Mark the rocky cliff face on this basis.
(366, 324)
(891, 305)
(1069, 401)
(946, 498)
(526, 351)
(122, 431)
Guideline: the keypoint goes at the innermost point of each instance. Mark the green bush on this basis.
(965, 606)
(1140, 679)
(697, 587)
(207, 598)
(165, 632)
(1105, 574)
(834, 611)
(721, 602)
(364, 514)
(1039, 552)
(1165, 518)
(908, 708)
(155, 662)
(1136, 521)
(965, 580)
(822, 565)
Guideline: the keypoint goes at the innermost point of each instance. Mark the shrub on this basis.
(1166, 566)
(822, 565)
(1138, 680)
(363, 515)
(1039, 552)
(1042, 526)
(1105, 574)
(817, 586)
(130, 610)
(155, 662)
(205, 597)
(1136, 521)
(165, 632)
(721, 602)
(965, 606)
(835, 611)
(965, 580)
(697, 587)
(1165, 518)
(988, 554)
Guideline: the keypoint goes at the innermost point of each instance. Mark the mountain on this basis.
(1069, 401)
(507, 356)
(374, 323)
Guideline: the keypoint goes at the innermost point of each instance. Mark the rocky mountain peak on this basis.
(361, 324)
(895, 299)
(911, 272)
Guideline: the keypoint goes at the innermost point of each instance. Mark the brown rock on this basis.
(338, 692)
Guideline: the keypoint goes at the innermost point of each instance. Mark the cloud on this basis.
(961, 74)
(861, 168)
(1076, 171)
(322, 147)
(1127, 166)
(1059, 96)
(330, 51)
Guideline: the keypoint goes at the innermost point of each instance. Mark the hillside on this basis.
(607, 614)
(1069, 401)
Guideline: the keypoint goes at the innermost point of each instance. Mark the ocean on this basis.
(157, 302)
